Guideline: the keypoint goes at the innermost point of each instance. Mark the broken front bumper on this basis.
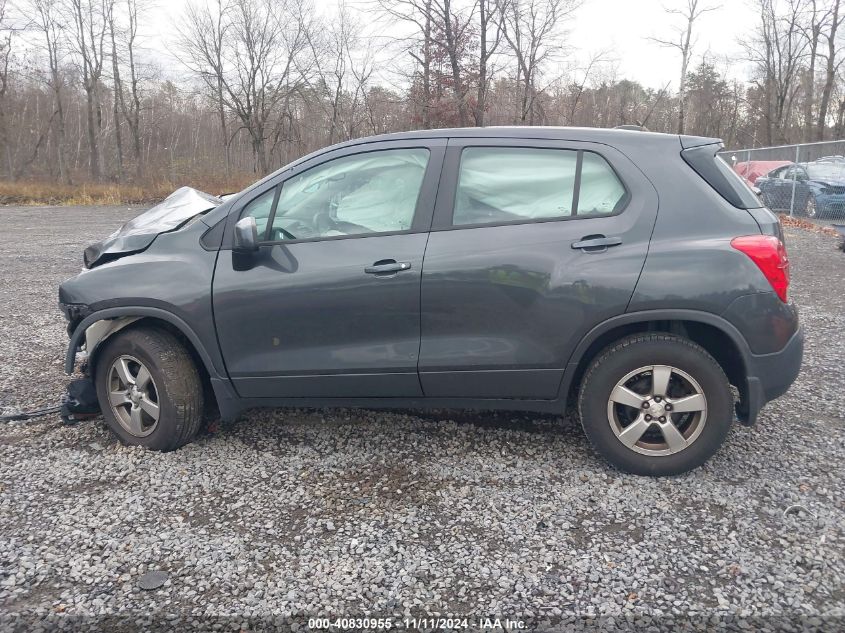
(84, 339)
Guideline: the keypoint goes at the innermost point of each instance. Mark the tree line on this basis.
(83, 98)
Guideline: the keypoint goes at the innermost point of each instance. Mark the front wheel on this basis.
(656, 404)
(149, 389)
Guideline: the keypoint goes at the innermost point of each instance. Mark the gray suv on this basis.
(629, 272)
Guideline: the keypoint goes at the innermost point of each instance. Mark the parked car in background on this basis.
(831, 159)
(751, 170)
(484, 268)
(812, 189)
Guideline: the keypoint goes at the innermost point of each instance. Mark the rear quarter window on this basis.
(718, 174)
(600, 190)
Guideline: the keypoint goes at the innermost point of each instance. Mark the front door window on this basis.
(374, 192)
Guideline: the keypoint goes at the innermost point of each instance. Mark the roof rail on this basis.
(628, 126)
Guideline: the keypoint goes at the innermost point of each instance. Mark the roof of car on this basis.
(611, 136)
(540, 132)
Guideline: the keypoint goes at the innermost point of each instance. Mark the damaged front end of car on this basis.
(111, 279)
(179, 207)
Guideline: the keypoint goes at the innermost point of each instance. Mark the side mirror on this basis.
(246, 235)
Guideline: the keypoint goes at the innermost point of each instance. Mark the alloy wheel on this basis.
(133, 396)
(657, 410)
(810, 207)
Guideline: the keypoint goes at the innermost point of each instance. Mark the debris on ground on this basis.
(152, 580)
(840, 230)
(800, 223)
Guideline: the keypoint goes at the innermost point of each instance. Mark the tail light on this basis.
(769, 253)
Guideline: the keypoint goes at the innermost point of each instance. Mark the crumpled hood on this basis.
(137, 234)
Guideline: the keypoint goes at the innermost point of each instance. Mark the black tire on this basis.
(178, 385)
(637, 351)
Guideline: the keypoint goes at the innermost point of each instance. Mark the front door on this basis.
(533, 243)
(330, 305)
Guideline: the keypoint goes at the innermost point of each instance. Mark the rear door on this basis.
(533, 243)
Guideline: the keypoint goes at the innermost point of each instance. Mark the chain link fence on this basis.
(805, 180)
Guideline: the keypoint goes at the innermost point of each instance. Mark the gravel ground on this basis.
(350, 513)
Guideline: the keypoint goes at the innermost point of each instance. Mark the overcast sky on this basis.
(624, 26)
(621, 27)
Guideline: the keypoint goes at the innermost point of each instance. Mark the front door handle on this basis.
(596, 243)
(387, 267)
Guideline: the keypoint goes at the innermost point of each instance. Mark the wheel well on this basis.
(161, 324)
(718, 344)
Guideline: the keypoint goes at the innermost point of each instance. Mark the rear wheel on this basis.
(149, 389)
(656, 404)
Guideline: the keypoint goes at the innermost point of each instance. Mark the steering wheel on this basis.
(305, 228)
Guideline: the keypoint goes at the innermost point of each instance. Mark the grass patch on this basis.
(41, 192)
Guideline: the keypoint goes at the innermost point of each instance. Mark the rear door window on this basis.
(518, 184)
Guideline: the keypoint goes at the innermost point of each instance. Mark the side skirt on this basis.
(231, 406)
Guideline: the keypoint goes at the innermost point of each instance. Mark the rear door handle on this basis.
(597, 243)
(386, 267)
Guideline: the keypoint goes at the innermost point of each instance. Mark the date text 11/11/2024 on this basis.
(418, 624)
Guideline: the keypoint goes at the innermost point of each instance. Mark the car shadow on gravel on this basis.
(277, 429)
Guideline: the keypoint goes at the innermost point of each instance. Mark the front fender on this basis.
(211, 359)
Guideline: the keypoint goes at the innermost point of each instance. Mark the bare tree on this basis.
(579, 86)
(126, 104)
(684, 43)
(117, 94)
(489, 25)
(341, 74)
(454, 31)
(812, 32)
(132, 110)
(362, 68)
(268, 39)
(778, 51)
(832, 64)
(204, 36)
(258, 67)
(424, 58)
(530, 28)
(5, 59)
(48, 22)
(439, 30)
(90, 20)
